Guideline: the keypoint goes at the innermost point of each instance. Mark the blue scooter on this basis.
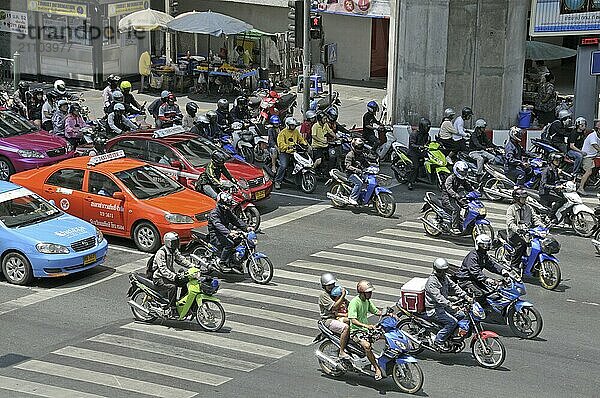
(226, 143)
(540, 262)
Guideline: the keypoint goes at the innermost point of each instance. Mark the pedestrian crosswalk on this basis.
(264, 323)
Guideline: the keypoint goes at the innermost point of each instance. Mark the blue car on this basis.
(39, 240)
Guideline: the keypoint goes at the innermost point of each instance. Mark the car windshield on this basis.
(12, 124)
(19, 210)
(197, 151)
(145, 182)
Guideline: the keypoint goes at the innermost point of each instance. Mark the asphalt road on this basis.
(75, 337)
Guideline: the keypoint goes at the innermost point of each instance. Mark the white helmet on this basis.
(290, 121)
(461, 169)
(563, 114)
(480, 123)
(483, 241)
(580, 121)
(60, 86)
(237, 126)
(171, 240)
(119, 107)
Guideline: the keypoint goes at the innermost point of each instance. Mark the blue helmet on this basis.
(275, 120)
(372, 106)
(336, 291)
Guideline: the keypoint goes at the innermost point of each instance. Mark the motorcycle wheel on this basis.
(480, 229)
(549, 274)
(247, 153)
(409, 327)
(584, 224)
(597, 238)
(500, 254)
(385, 204)
(140, 297)
(259, 154)
(492, 184)
(408, 377)
(331, 350)
(260, 270)
(526, 324)
(489, 353)
(432, 217)
(251, 217)
(338, 190)
(308, 182)
(210, 316)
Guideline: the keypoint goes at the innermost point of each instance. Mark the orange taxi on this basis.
(122, 197)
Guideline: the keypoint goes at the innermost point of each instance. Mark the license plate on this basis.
(259, 194)
(89, 259)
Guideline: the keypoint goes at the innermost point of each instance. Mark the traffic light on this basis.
(295, 26)
(174, 8)
(316, 27)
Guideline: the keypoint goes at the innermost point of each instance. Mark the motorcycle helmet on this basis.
(364, 286)
(237, 126)
(164, 94)
(357, 144)
(171, 98)
(52, 95)
(212, 116)
(291, 123)
(310, 116)
(62, 103)
(564, 114)
(321, 117)
(191, 108)
(118, 96)
(555, 156)
(467, 113)
(373, 107)
(218, 158)
(223, 105)
(225, 200)
(327, 279)
(171, 241)
(202, 120)
(518, 194)
(580, 121)
(113, 80)
(336, 291)
(37, 91)
(424, 125)
(119, 107)
(125, 86)
(449, 113)
(254, 102)
(274, 120)
(60, 86)
(332, 114)
(273, 94)
(23, 86)
(241, 102)
(515, 134)
(75, 107)
(461, 169)
(483, 242)
(480, 124)
(440, 265)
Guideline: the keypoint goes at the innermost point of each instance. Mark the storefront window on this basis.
(79, 30)
(111, 30)
(54, 28)
(62, 29)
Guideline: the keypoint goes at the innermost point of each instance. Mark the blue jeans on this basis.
(357, 181)
(577, 159)
(284, 161)
(448, 321)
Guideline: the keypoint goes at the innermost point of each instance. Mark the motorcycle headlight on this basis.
(520, 290)
(99, 236)
(179, 219)
(478, 311)
(482, 211)
(51, 248)
(27, 153)
(400, 344)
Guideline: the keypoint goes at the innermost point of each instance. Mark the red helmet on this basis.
(273, 94)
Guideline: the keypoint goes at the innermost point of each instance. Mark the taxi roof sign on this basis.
(106, 157)
(168, 131)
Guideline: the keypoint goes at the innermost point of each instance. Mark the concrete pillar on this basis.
(417, 59)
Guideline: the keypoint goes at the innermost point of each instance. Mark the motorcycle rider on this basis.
(560, 129)
(320, 134)
(591, 146)
(73, 124)
(371, 125)
(310, 118)
(459, 126)
(272, 134)
(470, 276)
(201, 127)
(454, 189)
(224, 118)
(220, 221)
(438, 307)
(515, 167)
(117, 122)
(358, 312)
(117, 98)
(575, 144)
(287, 139)
(189, 119)
(48, 109)
(59, 116)
(129, 100)
(417, 151)
(214, 129)
(169, 113)
(35, 106)
(21, 98)
(481, 146)
(156, 104)
(61, 88)
(328, 308)
(112, 85)
(165, 278)
(549, 184)
(355, 162)
(448, 133)
(519, 218)
(240, 111)
(209, 182)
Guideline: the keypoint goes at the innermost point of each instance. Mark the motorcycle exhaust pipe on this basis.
(138, 307)
(497, 193)
(337, 197)
(430, 224)
(330, 361)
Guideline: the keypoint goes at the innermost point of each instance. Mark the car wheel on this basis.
(146, 237)
(6, 169)
(17, 269)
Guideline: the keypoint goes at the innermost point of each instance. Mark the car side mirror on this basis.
(118, 196)
(177, 164)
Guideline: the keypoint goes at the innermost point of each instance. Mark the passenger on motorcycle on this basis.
(358, 312)
(515, 167)
(329, 308)
(549, 186)
(575, 144)
(169, 113)
(438, 307)
(459, 126)
(35, 106)
(417, 151)
(355, 162)
(310, 118)
(165, 278)
(371, 125)
(111, 86)
(220, 221)
(470, 276)
(117, 122)
(131, 104)
(448, 133)
(321, 134)
(201, 127)
(560, 129)
(156, 104)
(209, 182)
(189, 119)
(454, 189)
(287, 140)
(224, 118)
(117, 98)
(272, 134)
(21, 97)
(48, 109)
(591, 146)
(482, 148)
(73, 124)
(59, 116)
(520, 217)
(240, 111)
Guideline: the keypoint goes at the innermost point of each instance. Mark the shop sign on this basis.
(565, 17)
(359, 8)
(127, 7)
(13, 21)
(595, 66)
(58, 8)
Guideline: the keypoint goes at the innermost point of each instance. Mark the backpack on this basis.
(150, 267)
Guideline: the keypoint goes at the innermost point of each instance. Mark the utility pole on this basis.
(306, 57)
(167, 35)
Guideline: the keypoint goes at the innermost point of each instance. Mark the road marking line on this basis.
(388, 253)
(396, 266)
(307, 211)
(359, 273)
(176, 352)
(143, 365)
(41, 390)
(571, 301)
(262, 299)
(31, 288)
(104, 379)
(127, 250)
(279, 317)
(271, 334)
(439, 244)
(209, 339)
(297, 196)
(587, 302)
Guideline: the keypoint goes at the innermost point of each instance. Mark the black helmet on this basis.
(212, 116)
(113, 79)
(467, 112)
(191, 108)
(241, 101)
(53, 95)
(254, 102)
(74, 107)
(223, 105)
(357, 144)
(332, 114)
(37, 91)
(424, 125)
(218, 158)
(321, 116)
(23, 85)
(203, 120)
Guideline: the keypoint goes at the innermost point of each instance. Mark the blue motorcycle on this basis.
(540, 262)
(497, 186)
(437, 219)
(393, 360)
(245, 257)
(371, 193)
(226, 143)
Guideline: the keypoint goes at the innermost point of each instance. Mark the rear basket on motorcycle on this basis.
(550, 245)
(412, 295)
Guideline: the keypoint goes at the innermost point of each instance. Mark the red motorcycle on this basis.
(272, 103)
(244, 208)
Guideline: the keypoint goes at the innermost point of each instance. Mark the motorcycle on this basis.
(434, 167)
(391, 137)
(596, 240)
(243, 141)
(244, 208)
(147, 304)
(438, 220)
(393, 360)
(543, 148)
(257, 264)
(573, 213)
(93, 139)
(540, 261)
(302, 169)
(225, 141)
(372, 194)
(486, 347)
(497, 186)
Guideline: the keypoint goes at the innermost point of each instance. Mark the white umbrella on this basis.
(145, 21)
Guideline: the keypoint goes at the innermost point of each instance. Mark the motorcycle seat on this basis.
(144, 281)
(435, 200)
(340, 174)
